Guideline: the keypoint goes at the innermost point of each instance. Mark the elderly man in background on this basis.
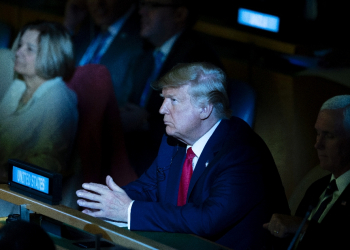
(213, 176)
(105, 32)
(326, 203)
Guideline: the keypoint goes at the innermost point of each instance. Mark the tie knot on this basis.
(332, 187)
(190, 154)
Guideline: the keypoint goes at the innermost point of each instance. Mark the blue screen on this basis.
(258, 20)
(30, 179)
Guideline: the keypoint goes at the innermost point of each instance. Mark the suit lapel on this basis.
(175, 175)
(340, 204)
(343, 199)
(209, 155)
(122, 40)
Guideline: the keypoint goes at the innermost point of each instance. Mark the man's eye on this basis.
(329, 136)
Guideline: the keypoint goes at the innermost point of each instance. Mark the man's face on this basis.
(332, 142)
(181, 118)
(106, 12)
(157, 22)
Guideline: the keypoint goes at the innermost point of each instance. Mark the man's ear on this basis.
(206, 111)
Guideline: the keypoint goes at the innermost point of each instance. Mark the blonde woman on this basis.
(38, 113)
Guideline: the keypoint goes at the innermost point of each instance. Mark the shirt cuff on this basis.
(129, 213)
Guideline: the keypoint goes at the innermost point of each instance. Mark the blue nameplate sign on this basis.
(258, 20)
(35, 181)
(30, 179)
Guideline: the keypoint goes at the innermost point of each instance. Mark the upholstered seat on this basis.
(100, 141)
(6, 69)
(242, 100)
(5, 35)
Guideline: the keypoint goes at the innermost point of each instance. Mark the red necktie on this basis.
(186, 175)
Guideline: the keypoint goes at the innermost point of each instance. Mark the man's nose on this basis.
(319, 142)
(163, 109)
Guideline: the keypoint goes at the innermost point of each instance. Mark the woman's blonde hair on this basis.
(55, 49)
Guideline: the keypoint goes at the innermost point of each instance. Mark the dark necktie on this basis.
(332, 186)
(186, 175)
(158, 61)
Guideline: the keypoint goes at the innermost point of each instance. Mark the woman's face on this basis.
(26, 53)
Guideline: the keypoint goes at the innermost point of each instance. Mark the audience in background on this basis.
(167, 27)
(326, 203)
(105, 32)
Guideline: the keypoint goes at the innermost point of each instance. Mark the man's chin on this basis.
(325, 166)
(169, 131)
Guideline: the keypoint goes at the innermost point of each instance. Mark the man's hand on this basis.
(282, 225)
(107, 201)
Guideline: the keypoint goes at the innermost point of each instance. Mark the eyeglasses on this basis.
(157, 5)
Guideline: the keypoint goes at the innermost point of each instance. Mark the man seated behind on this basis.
(105, 32)
(235, 184)
(325, 228)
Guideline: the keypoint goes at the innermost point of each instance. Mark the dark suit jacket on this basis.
(333, 231)
(122, 51)
(235, 188)
(189, 47)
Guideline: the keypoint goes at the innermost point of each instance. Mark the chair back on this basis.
(242, 98)
(5, 35)
(100, 142)
(6, 69)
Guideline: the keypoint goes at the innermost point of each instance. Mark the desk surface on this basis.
(121, 236)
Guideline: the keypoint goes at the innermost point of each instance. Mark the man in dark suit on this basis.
(327, 224)
(167, 27)
(105, 32)
(223, 192)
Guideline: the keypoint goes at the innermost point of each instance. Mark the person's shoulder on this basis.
(237, 125)
(57, 92)
(17, 85)
(317, 186)
(322, 181)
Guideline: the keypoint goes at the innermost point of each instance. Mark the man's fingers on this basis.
(94, 213)
(88, 195)
(111, 184)
(89, 204)
(95, 187)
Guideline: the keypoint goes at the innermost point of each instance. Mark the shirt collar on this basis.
(117, 25)
(342, 181)
(166, 47)
(199, 145)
